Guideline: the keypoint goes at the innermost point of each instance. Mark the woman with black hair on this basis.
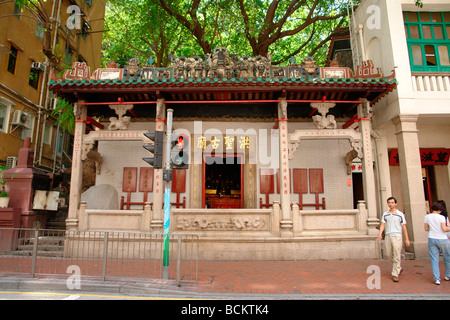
(436, 225)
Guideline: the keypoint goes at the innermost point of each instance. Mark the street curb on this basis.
(126, 287)
(169, 290)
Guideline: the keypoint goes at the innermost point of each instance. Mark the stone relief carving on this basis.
(323, 121)
(292, 147)
(283, 109)
(122, 122)
(221, 64)
(308, 69)
(119, 124)
(85, 148)
(310, 66)
(132, 69)
(225, 224)
(349, 160)
(92, 162)
(353, 136)
(357, 146)
(77, 111)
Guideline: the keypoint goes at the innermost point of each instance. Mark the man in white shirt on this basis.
(393, 222)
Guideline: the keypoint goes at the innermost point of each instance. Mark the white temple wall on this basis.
(328, 155)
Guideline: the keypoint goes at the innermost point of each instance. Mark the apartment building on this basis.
(75, 34)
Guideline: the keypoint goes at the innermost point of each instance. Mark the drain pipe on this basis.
(44, 81)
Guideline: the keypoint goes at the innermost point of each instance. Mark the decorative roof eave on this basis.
(222, 72)
(223, 82)
(66, 88)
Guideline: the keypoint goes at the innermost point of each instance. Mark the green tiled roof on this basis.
(132, 82)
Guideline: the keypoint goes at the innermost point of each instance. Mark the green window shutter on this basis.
(428, 39)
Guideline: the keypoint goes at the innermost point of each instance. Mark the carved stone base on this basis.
(71, 224)
(286, 229)
(156, 225)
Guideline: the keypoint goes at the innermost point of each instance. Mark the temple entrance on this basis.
(223, 181)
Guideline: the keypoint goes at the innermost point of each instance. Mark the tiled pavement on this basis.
(292, 279)
(316, 277)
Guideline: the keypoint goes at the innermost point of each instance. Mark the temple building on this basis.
(281, 159)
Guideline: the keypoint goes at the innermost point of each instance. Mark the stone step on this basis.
(39, 253)
(43, 240)
(56, 225)
(44, 247)
(48, 246)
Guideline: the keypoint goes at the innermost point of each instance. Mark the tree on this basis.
(64, 112)
(134, 29)
(200, 18)
(269, 27)
(285, 19)
(277, 28)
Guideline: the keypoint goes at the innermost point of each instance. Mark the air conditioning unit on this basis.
(11, 162)
(38, 66)
(21, 118)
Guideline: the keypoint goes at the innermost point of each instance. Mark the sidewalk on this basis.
(283, 279)
(316, 277)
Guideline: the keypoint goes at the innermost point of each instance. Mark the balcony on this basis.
(431, 85)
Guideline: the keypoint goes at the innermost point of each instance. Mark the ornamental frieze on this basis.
(222, 224)
(221, 65)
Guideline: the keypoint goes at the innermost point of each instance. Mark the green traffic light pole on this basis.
(168, 179)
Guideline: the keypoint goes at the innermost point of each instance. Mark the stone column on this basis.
(77, 167)
(297, 219)
(276, 219)
(158, 183)
(383, 172)
(286, 223)
(362, 215)
(412, 184)
(367, 168)
(25, 180)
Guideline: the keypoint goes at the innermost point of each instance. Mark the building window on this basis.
(27, 130)
(428, 38)
(58, 147)
(40, 30)
(48, 134)
(3, 117)
(34, 78)
(12, 60)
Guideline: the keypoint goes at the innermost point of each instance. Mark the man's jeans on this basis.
(434, 245)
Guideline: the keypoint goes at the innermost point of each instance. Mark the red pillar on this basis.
(26, 179)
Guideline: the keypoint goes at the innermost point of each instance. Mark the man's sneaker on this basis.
(395, 279)
(437, 282)
(447, 278)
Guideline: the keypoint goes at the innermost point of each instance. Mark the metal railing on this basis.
(105, 254)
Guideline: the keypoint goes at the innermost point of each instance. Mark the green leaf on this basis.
(66, 117)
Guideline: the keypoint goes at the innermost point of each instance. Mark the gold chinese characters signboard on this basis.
(225, 143)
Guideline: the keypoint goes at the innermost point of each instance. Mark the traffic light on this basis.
(179, 154)
(156, 148)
